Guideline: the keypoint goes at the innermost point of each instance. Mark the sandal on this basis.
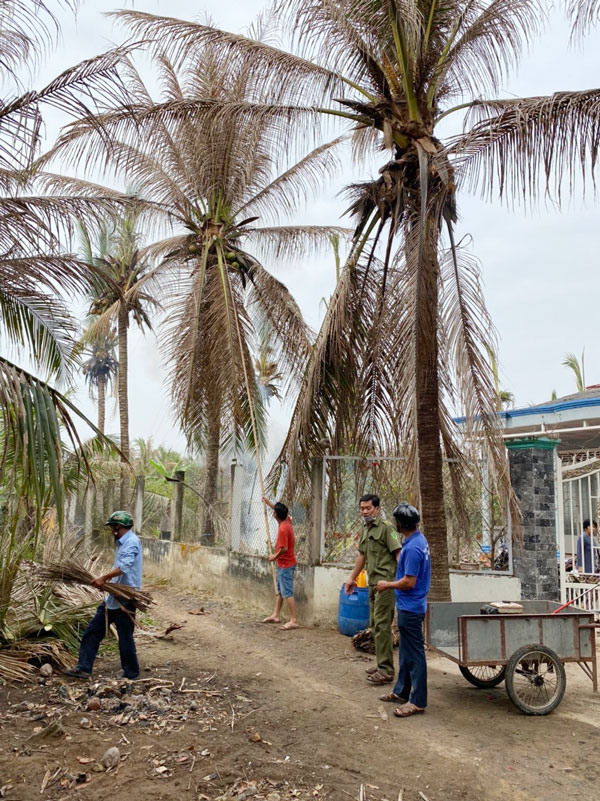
(407, 710)
(370, 671)
(379, 678)
(392, 698)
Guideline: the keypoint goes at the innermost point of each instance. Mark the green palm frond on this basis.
(578, 367)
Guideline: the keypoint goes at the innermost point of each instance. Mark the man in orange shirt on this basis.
(285, 559)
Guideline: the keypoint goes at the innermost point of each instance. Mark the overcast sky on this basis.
(540, 268)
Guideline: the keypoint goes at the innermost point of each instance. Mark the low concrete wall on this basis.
(484, 587)
(247, 579)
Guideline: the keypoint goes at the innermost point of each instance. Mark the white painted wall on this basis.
(247, 579)
(484, 587)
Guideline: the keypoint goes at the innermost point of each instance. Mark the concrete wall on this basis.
(247, 579)
(484, 587)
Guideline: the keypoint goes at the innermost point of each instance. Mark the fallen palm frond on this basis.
(18, 663)
(69, 572)
(40, 623)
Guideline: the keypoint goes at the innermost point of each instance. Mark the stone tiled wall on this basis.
(532, 475)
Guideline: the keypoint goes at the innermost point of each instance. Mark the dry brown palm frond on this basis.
(292, 241)
(491, 37)
(519, 145)
(18, 663)
(274, 70)
(69, 572)
(297, 184)
(88, 136)
(289, 335)
(346, 388)
(584, 14)
(20, 117)
(28, 28)
(469, 330)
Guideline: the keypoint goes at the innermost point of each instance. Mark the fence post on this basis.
(178, 489)
(89, 517)
(235, 508)
(316, 509)
(138, 507)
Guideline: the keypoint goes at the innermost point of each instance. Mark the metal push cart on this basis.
(527, 651)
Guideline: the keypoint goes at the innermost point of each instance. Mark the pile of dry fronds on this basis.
(38, 622)
(18, 662)
(69, 572)
(363, 641)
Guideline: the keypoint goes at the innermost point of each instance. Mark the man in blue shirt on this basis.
(127, 569)
(586, 547)
(413, 578)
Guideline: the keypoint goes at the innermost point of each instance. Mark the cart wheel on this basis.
(535, 679)
(483, 676)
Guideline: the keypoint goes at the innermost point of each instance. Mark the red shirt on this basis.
(285, 539)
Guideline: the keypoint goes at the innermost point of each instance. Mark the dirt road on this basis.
(277, 715)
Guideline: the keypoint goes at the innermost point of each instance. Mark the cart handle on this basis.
(576, 598)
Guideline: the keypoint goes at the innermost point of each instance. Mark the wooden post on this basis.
(166, 522)
(89, 517)
(138, 508)
(110, 496)
(235, 508)
(178, 489)
(316, 515)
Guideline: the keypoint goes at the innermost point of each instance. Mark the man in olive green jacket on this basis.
(378, 550)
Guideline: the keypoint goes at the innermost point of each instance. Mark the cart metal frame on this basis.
(457, 631)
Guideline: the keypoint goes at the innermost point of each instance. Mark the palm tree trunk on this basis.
(211, 478)
(429, 449)
(101, 403)
(123, 406)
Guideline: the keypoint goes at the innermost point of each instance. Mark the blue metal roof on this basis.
(548, 408)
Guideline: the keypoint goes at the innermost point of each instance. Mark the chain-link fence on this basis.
(326, 523)
(248, 531)
(170, 508)
(478, 532)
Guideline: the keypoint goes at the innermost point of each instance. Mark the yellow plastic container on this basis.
(361, 579)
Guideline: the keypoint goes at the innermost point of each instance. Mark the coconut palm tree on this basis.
(99, 370)
(395, 70)
(36, 272)
(117, 297)
(215, 177)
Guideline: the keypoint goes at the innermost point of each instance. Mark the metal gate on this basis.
(578, 499)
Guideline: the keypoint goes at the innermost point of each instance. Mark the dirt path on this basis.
(282, 715)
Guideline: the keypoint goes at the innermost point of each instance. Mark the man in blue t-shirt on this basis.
(413, 577)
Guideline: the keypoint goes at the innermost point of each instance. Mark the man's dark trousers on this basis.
(95, 632)
(412, 672)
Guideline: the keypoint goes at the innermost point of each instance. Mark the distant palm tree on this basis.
(121, 297)
(214, 177)
(267, 369)
(578, 367)
(505, 398)
(100, 369)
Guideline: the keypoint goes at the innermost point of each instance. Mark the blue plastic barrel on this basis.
(353, 611)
